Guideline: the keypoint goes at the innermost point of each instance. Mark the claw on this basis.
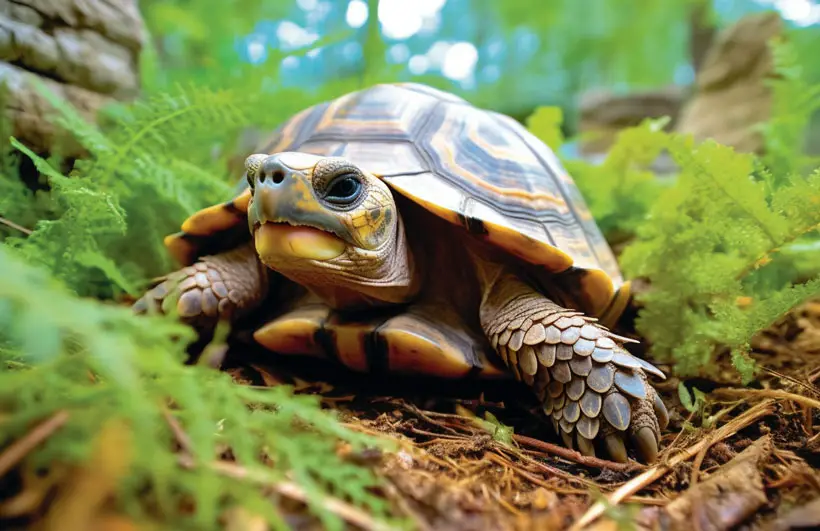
(646, 444)
(615, 447)
(585, 446)
(140, 307)
(660, 411)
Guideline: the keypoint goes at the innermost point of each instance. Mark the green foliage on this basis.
(102, 364)
(795, 102)
(694, 402)
(150, 165)
(141, 180)
(703, 240)
(98, 233)
(702, 236)
(707, 239)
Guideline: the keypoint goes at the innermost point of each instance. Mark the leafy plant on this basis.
(103, 365)
(726, 243)
(98, 233)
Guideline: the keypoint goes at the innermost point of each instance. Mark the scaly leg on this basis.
(218, 287)
(589, 385)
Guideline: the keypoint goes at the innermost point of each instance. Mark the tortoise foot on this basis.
(197, 294)
(214, 288)
(595, 392)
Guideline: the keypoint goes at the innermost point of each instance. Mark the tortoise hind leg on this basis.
(420, 340)
(589, 385)
(219, 287)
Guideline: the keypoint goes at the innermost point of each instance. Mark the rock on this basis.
(603, 114)
(85, 51)
(731, 95)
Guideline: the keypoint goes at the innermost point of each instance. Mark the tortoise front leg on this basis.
(589, 385)
(219, 287)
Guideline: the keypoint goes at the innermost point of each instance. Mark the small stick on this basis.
(653, 474)
(771, 393)
(348, 512)
(13, 225)
(698, 462)
(544, 468)
(180, 435)
(575, 456)
(21, 447)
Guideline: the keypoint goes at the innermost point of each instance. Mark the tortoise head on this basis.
(330, 225)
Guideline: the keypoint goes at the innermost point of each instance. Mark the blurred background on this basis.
(605, 63)
(510, 55)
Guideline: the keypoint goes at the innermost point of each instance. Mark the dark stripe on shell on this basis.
(473, 225)
(218, 242)
(326, 338)
(376, 349)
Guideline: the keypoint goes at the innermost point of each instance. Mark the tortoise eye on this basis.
(344, 189)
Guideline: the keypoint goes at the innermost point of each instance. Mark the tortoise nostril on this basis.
(276, 176)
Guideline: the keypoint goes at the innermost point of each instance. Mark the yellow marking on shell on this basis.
(181, 251)
(299, 160)
(414, 347)
(349, 339)
(444, 147)
(216, 217)
(334, 116)
(609, 317)
(530, 249)
(329, 116)
(598, 289)
(288, 133)
(294, 333)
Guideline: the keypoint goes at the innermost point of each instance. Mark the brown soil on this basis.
(747, 460)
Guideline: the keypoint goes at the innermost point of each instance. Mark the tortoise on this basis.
(400, 229)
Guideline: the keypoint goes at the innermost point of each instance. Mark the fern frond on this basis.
(102, 364)
(707, 245)
(794, 102)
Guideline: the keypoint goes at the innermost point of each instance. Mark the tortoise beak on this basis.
(285, 217)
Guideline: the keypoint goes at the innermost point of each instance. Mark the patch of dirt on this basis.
(748, 459)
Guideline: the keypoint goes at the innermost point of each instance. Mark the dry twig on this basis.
(293, 491)
(653, 474)
(21, 447)
(770, 393)
(576, 456)
(15, 226)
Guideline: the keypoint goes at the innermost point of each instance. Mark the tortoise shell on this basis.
(472, 167)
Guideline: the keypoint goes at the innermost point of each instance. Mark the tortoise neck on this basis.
(386, 277)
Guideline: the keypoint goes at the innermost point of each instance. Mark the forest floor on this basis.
(748, 459)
